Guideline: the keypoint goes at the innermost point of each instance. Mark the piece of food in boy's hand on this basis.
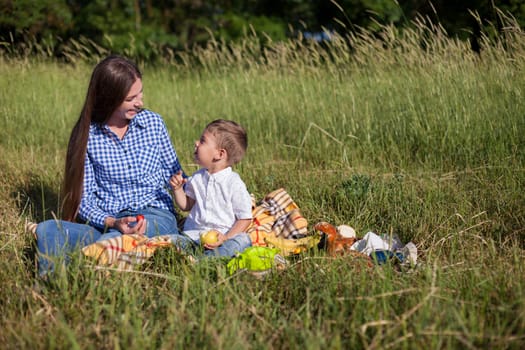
(209, 237)
(140, 217)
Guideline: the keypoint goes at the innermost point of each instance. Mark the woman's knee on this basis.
(161, 225)
(58, 234)
(47, 227)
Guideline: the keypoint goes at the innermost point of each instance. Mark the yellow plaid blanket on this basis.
(125, 251)
(277, 215)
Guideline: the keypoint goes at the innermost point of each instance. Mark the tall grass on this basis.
(408, 133)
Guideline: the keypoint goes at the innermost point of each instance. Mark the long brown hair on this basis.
(110, 82)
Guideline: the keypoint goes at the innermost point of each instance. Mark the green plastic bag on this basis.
(257, 260)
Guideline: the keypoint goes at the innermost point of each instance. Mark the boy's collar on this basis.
(220, 174)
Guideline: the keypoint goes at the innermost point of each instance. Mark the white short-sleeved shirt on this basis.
(220, 200)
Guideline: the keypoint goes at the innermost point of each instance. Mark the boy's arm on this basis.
(184, 202)
(239, 226)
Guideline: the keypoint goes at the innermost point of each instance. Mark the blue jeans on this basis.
(228, 249)
(56, 239)
(159, 222)
(231, 247)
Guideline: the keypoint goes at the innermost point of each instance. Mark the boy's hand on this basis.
(220, 240)
(177, 181)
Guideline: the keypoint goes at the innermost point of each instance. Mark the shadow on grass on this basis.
(38, 200)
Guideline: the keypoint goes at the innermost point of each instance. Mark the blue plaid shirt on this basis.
(127, 174)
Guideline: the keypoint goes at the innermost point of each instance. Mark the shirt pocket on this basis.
(148, 160)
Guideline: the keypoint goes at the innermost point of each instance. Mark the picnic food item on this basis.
(289, 246)
(138, 218)
(209, 237)
(336, 243)
(346, 231)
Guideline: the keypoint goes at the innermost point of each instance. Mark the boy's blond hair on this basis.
(230, 136)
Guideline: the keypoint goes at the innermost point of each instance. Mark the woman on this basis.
(118, 164)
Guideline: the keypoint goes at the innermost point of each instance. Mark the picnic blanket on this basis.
(277, 215)
(125, 251)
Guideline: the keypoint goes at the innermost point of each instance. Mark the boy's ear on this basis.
(223, 154)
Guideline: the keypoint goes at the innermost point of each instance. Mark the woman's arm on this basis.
(88, 210)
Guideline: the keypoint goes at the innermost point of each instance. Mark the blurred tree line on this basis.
(147, 25)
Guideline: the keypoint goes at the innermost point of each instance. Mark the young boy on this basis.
(215, 195)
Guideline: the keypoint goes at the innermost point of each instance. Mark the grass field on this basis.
(423, 141)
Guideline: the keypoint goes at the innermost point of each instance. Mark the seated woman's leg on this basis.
(231, 247)
(160, 222)
(111, 233)
(55, 239)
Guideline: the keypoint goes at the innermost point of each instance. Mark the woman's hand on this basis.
(129, 225)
